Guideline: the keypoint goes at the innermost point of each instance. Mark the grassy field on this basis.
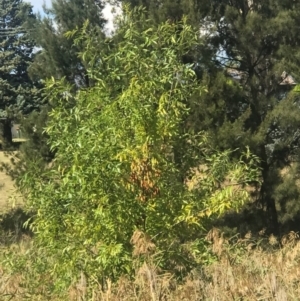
(248, 269)
(8, 194)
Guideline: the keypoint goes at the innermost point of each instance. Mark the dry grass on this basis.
(241, 273)
(248, 269)
(8, 194)
(244, 271)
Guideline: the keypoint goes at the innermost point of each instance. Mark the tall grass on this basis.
(248, 268)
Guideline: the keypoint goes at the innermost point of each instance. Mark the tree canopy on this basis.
(17, 91)
(258, 45)
(117, 188)
(252, 66)
(58, 56)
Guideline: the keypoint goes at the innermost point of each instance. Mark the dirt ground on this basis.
(8, 194)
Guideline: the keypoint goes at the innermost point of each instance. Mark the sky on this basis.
(37, 4)
(37, 7)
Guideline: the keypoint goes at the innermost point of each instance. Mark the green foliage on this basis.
(117, 188)
(171, 11)
(34, 151)
(58, 56)
(168, 10)
(257, 44)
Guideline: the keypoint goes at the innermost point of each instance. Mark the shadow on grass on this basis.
(249, 219)
(12, 227)
(254, 220)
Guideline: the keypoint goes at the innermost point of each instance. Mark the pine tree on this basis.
(249, 102)
(58, 56)
(17, 92)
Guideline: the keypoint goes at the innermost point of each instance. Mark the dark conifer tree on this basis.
(58, 56)
(259, 55)
(18, 94)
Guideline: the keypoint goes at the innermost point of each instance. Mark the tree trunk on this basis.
(6, 134)
(272, 215)
(265, 195)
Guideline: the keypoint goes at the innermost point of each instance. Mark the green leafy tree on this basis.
(56, 57)
(172, 11)
(17, 92)
(116, 179)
